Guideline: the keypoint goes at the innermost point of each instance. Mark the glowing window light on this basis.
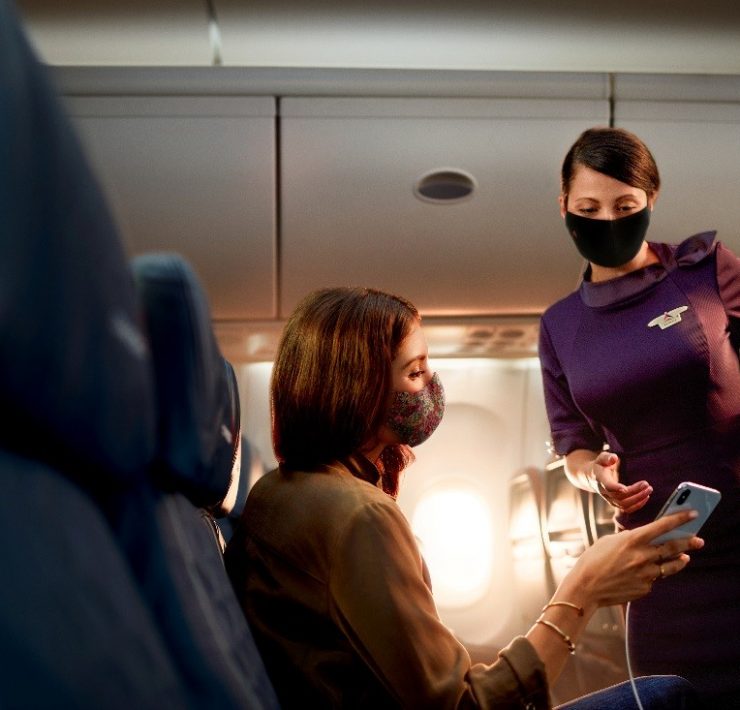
(455, 531)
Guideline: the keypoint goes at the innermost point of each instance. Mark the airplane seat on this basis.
(75, 631)
(251, 469)
(564, 522)
(196, 473)
(533, 576)
(600, 517)
(77, 419)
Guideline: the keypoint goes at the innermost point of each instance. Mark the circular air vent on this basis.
(444, 186)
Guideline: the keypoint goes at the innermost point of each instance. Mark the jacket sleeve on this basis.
(570, 430)
(728, 280)
(382, 604)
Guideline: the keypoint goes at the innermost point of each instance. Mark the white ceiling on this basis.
(674, 36)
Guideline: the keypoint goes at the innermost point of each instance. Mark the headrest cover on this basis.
(75, 379)
(197, 400)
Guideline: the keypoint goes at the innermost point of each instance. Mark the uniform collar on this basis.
(606, 293)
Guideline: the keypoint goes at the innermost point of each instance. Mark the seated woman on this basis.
(325, 565)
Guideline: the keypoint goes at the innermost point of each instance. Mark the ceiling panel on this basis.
(696, 144)
(349, 214)
(196, 176)
(538, 35)
(130, 33)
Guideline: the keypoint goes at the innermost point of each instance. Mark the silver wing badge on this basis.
(669, 318)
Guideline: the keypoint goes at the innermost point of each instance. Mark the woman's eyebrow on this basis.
(414, 359)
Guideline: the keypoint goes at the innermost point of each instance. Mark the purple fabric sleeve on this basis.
(570, 430)
(728, 280)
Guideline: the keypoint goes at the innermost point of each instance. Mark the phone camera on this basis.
(682, 498)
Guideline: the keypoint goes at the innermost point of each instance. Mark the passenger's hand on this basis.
(605, 477)
(624, 566)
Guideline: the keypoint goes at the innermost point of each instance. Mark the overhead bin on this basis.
(351, 170)
(692, 126)
(196, 176)
(131, 33)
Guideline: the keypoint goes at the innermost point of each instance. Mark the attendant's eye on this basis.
(627, 208)
(587, 210)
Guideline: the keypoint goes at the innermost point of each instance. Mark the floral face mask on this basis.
(413, 416)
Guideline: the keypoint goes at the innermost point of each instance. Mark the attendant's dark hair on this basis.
(332, 378)
(614, 152)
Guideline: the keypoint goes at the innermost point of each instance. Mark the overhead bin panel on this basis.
(131, 33)
(196, 176)
(692, 127)
(350, 214)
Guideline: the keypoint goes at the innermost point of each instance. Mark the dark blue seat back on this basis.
(77, 404)
(75, 631)
(75, 377)
(199, 431)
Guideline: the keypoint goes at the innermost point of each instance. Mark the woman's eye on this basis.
(416, 374)
(587, 210)
(627, 208)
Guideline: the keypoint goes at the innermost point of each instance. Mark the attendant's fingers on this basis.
(635, 502)
(625, 501)
(606, 459)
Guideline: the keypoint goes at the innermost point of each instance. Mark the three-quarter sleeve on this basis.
(728, 280)
(570, 430)
(381, 602)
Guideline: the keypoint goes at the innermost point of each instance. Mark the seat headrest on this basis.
(197, 400)
(75, 373)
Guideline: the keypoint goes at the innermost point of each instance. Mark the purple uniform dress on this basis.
(646, 364)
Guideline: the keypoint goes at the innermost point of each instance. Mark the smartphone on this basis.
(688, 496)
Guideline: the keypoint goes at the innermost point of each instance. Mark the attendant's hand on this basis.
(605, 481)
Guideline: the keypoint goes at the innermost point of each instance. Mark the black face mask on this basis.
(608, 242)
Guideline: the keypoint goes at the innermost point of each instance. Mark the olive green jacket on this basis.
(330, 578)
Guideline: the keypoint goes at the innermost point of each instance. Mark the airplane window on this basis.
(455, 530)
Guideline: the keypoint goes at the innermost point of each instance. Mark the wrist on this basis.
(573, 590)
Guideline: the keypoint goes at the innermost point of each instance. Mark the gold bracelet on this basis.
(579, 609)
(568, 642)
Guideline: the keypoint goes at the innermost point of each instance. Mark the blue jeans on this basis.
(657, 692)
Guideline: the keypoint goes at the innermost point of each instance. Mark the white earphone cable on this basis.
(627, 656)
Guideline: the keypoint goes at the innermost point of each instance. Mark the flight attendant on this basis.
(642, 387)
(326, 567)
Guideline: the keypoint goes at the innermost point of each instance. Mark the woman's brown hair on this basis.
(614, 152)
(332, 377)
